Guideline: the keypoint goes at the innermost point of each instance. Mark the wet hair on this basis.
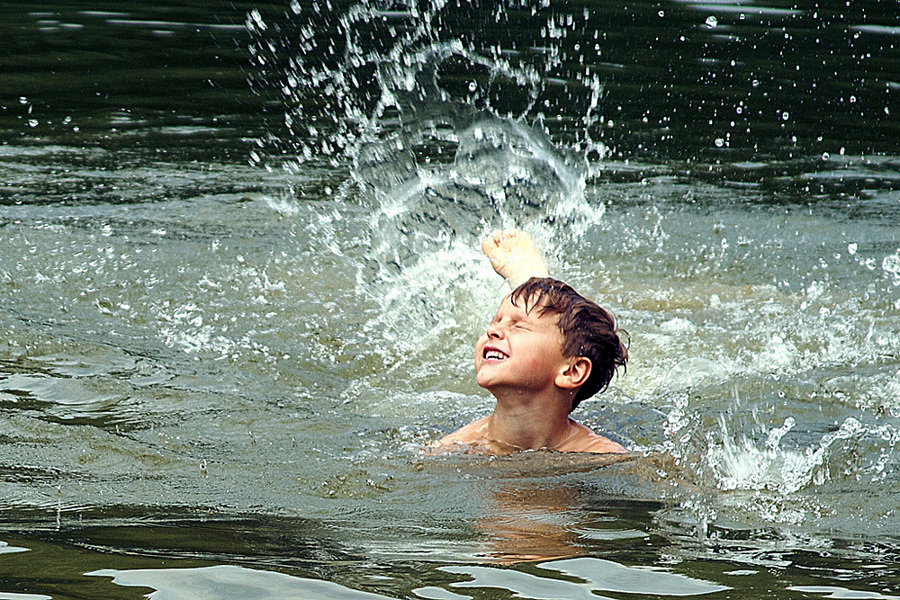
(588, 330)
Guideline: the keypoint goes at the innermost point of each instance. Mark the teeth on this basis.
(494, 354)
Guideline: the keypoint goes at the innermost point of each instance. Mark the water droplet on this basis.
(720, 142)
(852, 248)
(712, 21)
(473, 86)
(891, 265)
(255, 21)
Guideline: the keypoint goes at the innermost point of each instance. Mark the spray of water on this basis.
(740, 453)
(421, 70)
(442, 134)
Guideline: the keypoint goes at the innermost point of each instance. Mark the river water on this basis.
(240, 286)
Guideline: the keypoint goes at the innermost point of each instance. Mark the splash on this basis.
(380, 70)
(738, 449)
(445, 126)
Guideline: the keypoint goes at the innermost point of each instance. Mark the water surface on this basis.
(240, 286)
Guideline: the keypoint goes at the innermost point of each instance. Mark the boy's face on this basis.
(520, 350)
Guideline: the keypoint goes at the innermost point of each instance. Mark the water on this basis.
(239, 285)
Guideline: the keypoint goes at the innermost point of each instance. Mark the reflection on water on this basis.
(587, 576)
(7, 549)
(239, 283)
(839, 592)
(530, 518)
(228, 582)
(528, 522)
(591, 575)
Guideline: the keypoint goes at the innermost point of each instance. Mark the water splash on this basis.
(738, 450)
(443, 132)
(423, 70)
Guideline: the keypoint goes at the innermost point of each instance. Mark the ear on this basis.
(575, 374)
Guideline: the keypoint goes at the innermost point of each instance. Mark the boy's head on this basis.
(587, 329)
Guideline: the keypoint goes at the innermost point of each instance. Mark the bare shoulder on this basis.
(585, 440)
(473, 433)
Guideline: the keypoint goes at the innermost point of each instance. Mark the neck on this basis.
(530, 423)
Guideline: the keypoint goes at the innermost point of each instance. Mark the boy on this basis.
(547, 349)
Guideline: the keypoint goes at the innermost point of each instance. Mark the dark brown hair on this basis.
(588, 330)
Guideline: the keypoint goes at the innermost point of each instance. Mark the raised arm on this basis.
(514, 256)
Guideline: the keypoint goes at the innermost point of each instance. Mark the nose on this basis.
(494, 331)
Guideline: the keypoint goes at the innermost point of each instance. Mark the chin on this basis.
(482, 383)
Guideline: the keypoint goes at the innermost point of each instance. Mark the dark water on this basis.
(239, 286)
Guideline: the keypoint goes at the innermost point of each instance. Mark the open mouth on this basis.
(494, 354)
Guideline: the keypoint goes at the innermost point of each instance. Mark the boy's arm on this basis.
(514, 256)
